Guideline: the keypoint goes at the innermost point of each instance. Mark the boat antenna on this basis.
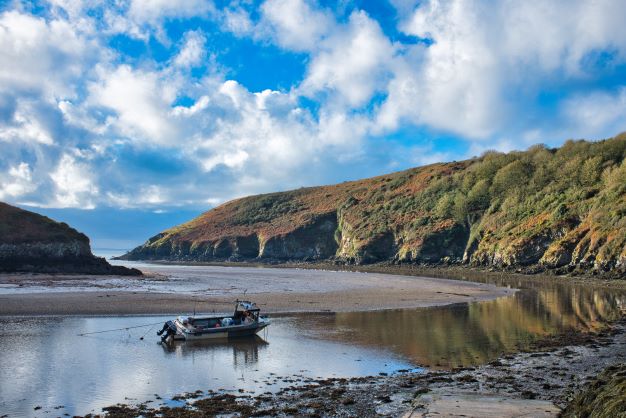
(195, 302)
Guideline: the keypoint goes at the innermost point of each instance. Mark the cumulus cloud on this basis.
(73, 183)
(454, 83)
(559, 34)
(237, 20)
(192, 53)
(354, 62)
(140, 101)
(143, 19)
(153, 11)
(295, 24)
(263, 136)
(17, 182)
(92, 138)
(83, 123)
(488, 59)
(39, 56)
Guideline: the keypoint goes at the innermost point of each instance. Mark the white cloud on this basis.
(264, 132)
(17, 182)
(83, 124)
(559, 34)
(143, 19)
(489, 59)
(354, 62)
(454, 84)
(404, 6)
(152, 11)
(140, 99)
(74, 185)
(192, 53)
(25, 127)
(39, 56)
(151, 195)
(596, 114)
(238, 21)
(295, 24)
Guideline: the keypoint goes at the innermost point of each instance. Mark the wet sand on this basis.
(178, 289)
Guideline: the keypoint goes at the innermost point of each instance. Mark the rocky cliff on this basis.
(33, 243)
(542, 209)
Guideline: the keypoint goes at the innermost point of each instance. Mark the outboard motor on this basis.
(169, 329)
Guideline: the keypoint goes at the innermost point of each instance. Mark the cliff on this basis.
(542, 209)
(34, 243)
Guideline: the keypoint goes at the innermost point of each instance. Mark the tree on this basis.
(478, 198)
(511, 176)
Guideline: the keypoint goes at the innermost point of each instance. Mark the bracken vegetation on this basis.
(605, 397)
(21, 226)
(30, 242)
(558, 208)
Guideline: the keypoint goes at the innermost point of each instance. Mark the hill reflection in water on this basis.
(476, 333)
(51, 365)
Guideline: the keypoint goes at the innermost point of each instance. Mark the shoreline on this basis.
(452, 271)
(421, 294)
(426, 287)
(167, 289)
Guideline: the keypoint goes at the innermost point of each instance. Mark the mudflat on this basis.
(180, 289)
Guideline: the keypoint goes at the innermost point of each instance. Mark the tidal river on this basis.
(50, 370)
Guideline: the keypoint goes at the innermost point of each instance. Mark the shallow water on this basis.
(45, 362)
(471, 334)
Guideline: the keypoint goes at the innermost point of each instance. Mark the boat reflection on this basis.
(246, 350)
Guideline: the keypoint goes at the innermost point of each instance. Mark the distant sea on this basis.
(109, 252)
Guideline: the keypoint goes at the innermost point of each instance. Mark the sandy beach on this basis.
(178, 289)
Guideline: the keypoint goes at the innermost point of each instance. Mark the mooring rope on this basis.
(120, 329)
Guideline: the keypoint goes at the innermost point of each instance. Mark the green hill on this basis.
(30, 242)
(543, 208)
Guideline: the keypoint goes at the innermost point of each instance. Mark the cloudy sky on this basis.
(137, 114)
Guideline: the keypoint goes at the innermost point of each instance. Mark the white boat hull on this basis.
(246, 321)
(221, 333)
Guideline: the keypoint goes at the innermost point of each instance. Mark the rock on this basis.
(33, 243)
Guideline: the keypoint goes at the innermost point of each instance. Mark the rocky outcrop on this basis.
(314, 240)
(33, 243)
(561, 210)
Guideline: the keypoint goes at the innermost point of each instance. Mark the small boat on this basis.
(246, 321)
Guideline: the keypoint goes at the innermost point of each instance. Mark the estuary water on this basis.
(47, 364)
(50, 370)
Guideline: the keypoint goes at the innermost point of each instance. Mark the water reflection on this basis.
(49, 365)
(246, 350)
(476, 333)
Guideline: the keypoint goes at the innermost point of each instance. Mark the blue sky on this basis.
(144, 113)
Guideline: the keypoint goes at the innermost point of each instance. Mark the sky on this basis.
(125, 117)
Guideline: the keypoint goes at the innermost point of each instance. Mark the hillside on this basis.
(543, 208)
(30, 242)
